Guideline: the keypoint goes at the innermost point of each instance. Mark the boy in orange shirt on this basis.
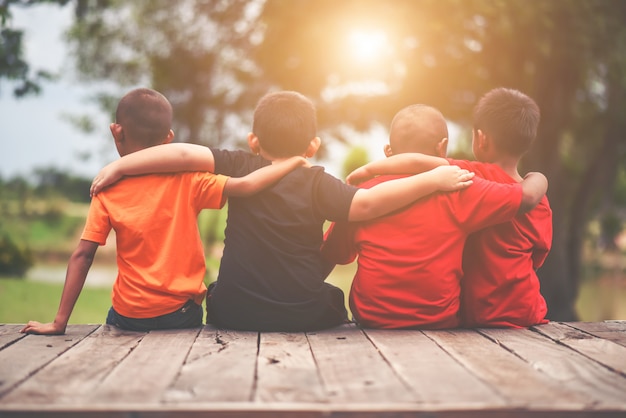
(500, 287)
(161, 264)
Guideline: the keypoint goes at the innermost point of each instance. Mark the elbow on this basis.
(529, 202)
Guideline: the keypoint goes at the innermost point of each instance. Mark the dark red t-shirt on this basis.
(409, 262)
(500, 285)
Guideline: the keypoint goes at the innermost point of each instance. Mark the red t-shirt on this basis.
(500, 286)
(409, 262)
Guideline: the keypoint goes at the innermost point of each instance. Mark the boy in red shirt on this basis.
(500, 287)
(409, 263)
(160, 259)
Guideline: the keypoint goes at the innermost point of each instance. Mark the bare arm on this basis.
(534, 188)
(167, 158)
(77, 270)
(395, 194)
(408, 163)
(262, 178)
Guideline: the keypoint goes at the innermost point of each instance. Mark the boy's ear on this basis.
(253, 143)
(483, 140)
(387, 150)
(169, 138)
(314, 145)
(442, 148)
(117, 131)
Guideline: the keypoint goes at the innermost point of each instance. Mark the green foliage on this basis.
(214, 59)
(14, 260)
(357, 157)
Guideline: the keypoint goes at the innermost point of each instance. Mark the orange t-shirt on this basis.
(160, 258)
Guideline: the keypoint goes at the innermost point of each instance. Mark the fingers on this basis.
(30, 327)
(95, 187)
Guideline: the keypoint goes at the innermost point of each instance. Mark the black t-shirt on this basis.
(271, 275)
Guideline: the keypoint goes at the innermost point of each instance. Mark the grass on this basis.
(24, 300)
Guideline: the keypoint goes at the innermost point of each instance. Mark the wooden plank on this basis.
(74, 375)
(148, 370)
(286, 370)
(571, 370)
(431, 372)
(603, 351)
(25, 357)
(352, 370)
(10, 333)
(220, 367)
(609, 330)
(506, 373)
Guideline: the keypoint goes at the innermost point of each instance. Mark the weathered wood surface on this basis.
(553, 370)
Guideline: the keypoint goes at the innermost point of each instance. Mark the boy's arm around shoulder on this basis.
(407, 163)
(77, 269)
(395, 194)
(263, 177)
(166, 158)
(534, 188)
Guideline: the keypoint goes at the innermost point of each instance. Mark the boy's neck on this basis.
(509, 165)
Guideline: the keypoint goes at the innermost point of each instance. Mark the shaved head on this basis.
(417, 128)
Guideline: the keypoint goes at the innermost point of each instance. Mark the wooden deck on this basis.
(554, 370)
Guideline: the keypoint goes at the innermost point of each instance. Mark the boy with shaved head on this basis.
(410, 262)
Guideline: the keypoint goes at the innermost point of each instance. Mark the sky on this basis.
(33, 133)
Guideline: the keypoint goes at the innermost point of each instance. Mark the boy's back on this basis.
(500, 285)
(160, 259)
(271, 273)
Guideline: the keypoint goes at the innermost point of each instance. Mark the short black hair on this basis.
(146, 116)
(510, 117)
(285, 123)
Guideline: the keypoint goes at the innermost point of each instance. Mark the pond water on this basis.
(99, 275)
(602, 298)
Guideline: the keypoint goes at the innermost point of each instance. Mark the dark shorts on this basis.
(331, 312)
(187, 316)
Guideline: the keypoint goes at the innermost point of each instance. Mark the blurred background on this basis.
(64, 64)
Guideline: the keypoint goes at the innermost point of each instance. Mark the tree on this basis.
(194, 52)
(568, 56)
(13, 66)
(214, 59)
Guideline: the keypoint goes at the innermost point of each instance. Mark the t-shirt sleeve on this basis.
(209, 190)
(236, 163)
(486, 203)
(98, 224)
(332, 198)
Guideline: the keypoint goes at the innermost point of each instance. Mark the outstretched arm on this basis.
(408, 163)
(167, 158)
(534, 188)
(395, 194)
(77, 270)
(262, 178)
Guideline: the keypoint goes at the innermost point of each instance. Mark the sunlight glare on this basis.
(367, 45)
